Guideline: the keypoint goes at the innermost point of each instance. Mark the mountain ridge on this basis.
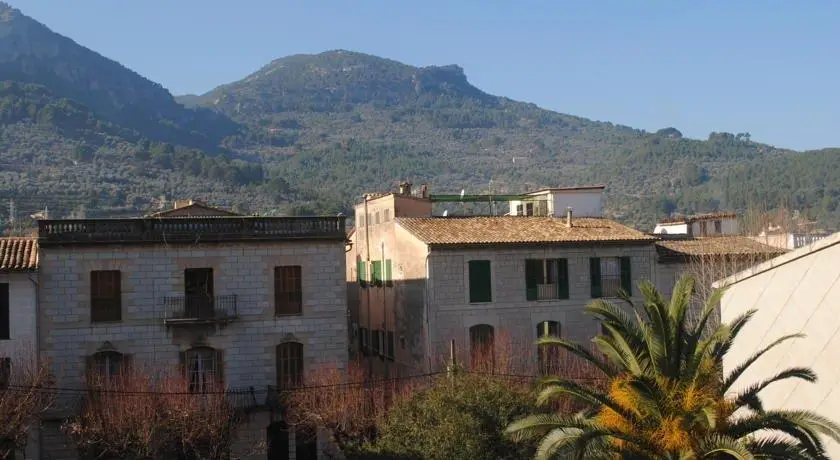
(309, 133)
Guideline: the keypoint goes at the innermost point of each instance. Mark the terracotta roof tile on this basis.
(714, 246)
(512, 230)
(18, 254)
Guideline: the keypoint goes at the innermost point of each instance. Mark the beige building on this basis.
(248, 304)
(798, 292)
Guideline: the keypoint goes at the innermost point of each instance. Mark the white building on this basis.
(712, 224)
(248, 303)
(586, 201)
(18, 326)
(798, 292)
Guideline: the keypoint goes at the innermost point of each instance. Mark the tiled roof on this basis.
(195, 209)
(714, 246)
(513, 230)
(698, 217)
(18, 254)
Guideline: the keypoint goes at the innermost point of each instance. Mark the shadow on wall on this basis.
(386, 325)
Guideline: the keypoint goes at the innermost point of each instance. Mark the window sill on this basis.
(288, 315)
(108, 321)
(480, 302)
(559, 299)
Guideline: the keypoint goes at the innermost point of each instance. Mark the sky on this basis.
(766, 67)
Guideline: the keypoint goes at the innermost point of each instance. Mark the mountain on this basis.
(82, 134)
(339, 123)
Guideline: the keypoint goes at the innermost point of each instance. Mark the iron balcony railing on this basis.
(200, 308)
(189, 230)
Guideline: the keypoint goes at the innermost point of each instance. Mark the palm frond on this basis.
(741, 368)
(582, 352)
(749, 396)
(718, 446)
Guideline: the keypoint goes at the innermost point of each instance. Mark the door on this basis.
(198, 292)
(277, 438)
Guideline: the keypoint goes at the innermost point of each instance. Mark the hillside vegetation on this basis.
(311, 133)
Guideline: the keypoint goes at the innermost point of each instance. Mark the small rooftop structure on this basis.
(510, 230)
(708, 224)
(193, 208)
(18, 255)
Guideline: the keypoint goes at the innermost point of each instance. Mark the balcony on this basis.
(188, 230)
(199, 309)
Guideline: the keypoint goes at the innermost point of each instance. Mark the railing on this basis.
(547, 292)
(188, 230)
(200, 308)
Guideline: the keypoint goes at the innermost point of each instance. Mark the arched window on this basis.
(105, 367)
(289, 364)
(203, 367)
(482, 357)
(548, 356)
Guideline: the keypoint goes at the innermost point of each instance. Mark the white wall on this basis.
(800, 295)
(584, 203)
(672, 229)
(22, 316)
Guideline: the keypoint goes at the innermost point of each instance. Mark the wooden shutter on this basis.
(361, 272)
(376, 271)
(220, 368)
(389, 281)
(106, 295)
(626, 276)
(481, 289)
(595, 277)
(288, 295)
(5, 314)
(532, 274)
(563, 278)
(389, 344)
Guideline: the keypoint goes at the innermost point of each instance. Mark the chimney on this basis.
(405, 188)
(569, 216)
(424, 191)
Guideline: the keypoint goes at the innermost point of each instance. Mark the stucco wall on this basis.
(150, 273)
(802, 295)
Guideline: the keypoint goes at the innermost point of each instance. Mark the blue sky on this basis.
(768, 67)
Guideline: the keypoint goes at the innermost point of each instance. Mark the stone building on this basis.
(425, 281)
(250, 303)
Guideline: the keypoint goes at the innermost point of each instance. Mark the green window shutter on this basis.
(532, 273)
(361, 273)
(626, 276)
(563, 278)
(595, 277)
(388, 275)
(480, 281)
(376, 271)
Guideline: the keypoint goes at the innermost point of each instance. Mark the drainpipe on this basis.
(367, 290)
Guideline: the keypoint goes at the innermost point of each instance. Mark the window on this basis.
(288, 293)
(609, 275)
(105, 296)
(106, 366)
(203, 367)
(364, 341)
(529, 209)
(361, 272)
(289, 365)
(480, 281)
(718, 227)
(519, 210)
(376, 218)
(482, 356)
(546, 279)
(361, 220)
(5, 373)
(386, 215)
(376, 272)
(5, 315)
(198, 293)
(548, 356)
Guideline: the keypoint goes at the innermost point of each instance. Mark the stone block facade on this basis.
(151, 273)
(451, 315)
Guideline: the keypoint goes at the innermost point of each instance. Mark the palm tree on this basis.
(668, 397)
